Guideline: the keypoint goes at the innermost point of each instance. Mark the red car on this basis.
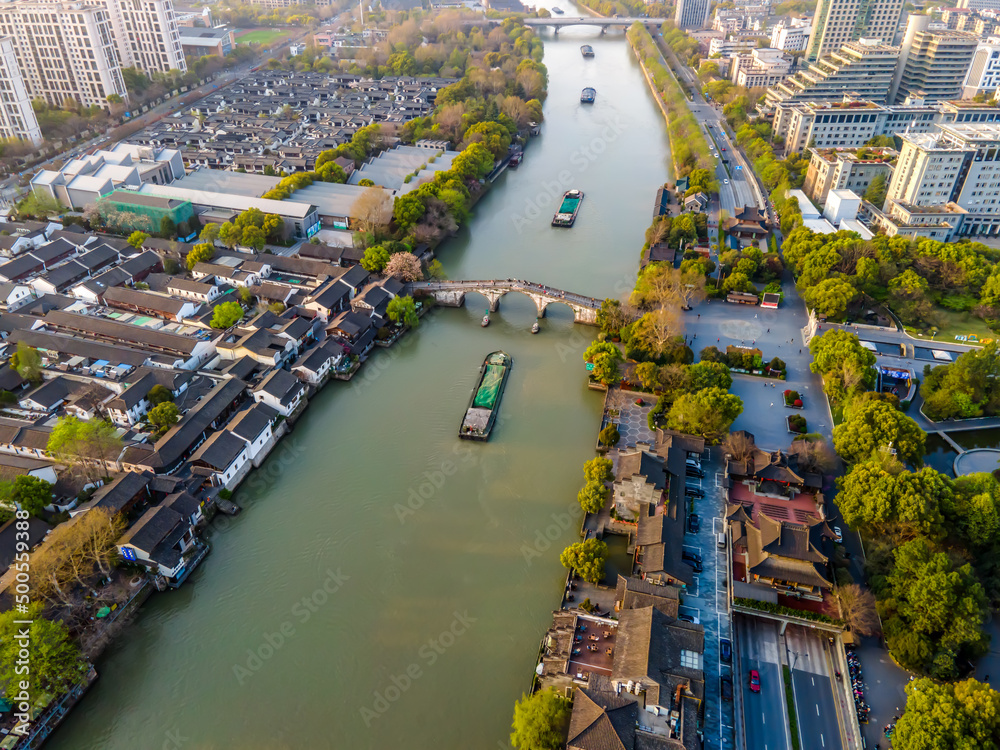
(754, 681)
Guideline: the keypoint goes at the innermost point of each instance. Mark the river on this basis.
(388, 584)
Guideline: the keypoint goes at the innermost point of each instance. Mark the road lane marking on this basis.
(821, 739)
(817, 709)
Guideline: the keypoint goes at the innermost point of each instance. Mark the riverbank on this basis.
(373, 485)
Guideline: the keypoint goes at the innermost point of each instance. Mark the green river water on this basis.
(388, 584)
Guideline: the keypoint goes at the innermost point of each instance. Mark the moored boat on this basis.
(535, 328)
(486, 320)
(588, 95)
(481, 414)
(558, 11)
(587, 51)
(568, 209)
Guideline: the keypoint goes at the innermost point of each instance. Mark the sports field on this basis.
(261, 36)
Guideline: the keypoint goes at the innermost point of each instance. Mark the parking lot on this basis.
(705, 602)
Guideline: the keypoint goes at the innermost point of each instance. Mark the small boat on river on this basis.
(588, 95)
(535, 328)
(486, 320)
(568, 209)
(587, 51)
(558, 11)
(485, 402)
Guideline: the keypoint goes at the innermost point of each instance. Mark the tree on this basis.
(254, 237)
(592, 497)
(274, 226)
(404, 266)
(657, 331)
(598, 469)
(27, 362)
(845, 365)
(372, 209)
(209, 233)
(877, 189)
(475, 162)
(56, 663)
(230, 235)
(91, 444)
(163, 416)
(541, 721)
(375, 259)
(158, 394)
(857, 609)
(878, 494)
(403, 311)
(708, 412)
(606, 369)
(201, 253)
(167, 227)
(609, 436)
(830, 296)
(613, 316)
(740, 445)
(227, 314)
(586, 559)
(31, 494)
(932, 611)
(873, 425)
(948, 716)
(407, 210)
(136, 239)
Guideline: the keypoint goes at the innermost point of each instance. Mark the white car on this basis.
(725, 182)
(839, 536)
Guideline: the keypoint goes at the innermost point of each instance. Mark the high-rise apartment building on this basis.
(957, 167)
(862, 69)
(978, 4)
(837, 22)
(17, 118)
(64, 50)
(984, 72)
(932, 64)
(791, 38)
(147, 34)
(692, 14)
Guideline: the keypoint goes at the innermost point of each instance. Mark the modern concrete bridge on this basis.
(452, 294)
(557, 22)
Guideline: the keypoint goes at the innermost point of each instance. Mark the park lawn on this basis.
(957, 324)
(261, 36)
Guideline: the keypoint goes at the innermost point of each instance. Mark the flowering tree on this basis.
(404, 266)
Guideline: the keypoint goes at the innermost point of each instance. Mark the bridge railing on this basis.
(530, 286)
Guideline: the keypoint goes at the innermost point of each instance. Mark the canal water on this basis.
(388, 584)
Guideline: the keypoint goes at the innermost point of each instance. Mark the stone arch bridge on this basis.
(452, 294)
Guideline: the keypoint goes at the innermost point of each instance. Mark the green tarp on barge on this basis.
(487, 394)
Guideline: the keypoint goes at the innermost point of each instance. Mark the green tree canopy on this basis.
(91, 444)
(586, 559)
(877, 494)
(201, 253)
(873, 425)
(31, 494)
(163, 416)
(966, 388)
(375, 259)
(592, 497)
(932, 611)
(27, 362)
(403, 310)
(609, 436)
(227, 314)
(55, 659)
(708, 412)
(949, 716)
(136, 239)
(158, 394)
(598, 469)
(540, 721)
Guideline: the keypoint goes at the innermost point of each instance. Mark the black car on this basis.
(694, 492)
(693, 523)
(693, 556)
(685, 618)
(694, 471)
(727, 689)
(726, 650)
(694, 564)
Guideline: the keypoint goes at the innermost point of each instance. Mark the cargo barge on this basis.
(587, 51)
(485, 402)
(568, 209)
(588, 95)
